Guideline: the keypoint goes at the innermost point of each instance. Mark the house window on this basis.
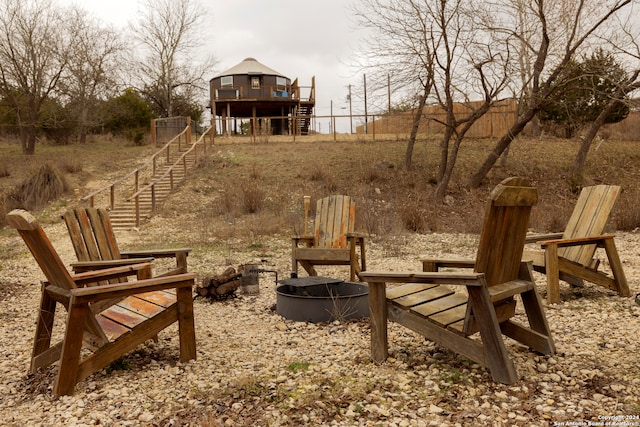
(226, 81)
(255, 82)
(281, 84)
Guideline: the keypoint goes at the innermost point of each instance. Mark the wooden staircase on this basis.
(305, 113)
(136, 196)
(123, 215)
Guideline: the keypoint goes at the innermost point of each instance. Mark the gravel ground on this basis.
(256, 368)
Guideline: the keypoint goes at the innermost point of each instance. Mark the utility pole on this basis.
(350, 112)
(366, 118)
(389, 91)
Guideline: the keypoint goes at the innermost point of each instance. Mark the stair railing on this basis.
(181, 161)
(133, 178)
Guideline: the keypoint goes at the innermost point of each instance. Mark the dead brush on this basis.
(46, 184)
(627, 214)
(227, 204)
(71, 165)
(415, 214)
(317, 174)
(253, 196)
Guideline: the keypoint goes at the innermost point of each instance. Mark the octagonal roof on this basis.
(252, 67)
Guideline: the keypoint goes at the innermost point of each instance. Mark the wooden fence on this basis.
(494, 123)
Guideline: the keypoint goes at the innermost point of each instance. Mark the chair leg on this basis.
(378, 322)
(553, 273)
(44, 327)
(538, 335)
(181, 261)
(70, 358)
(619, 279)
(499, 363)
(186, 328)
(311, 271)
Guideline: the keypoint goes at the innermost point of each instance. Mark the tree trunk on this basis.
(414, 129)
(475, 180)
(577, 169)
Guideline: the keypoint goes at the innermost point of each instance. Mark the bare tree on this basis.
(92, 68)
(561, 29)
(34, 48)
(168, 32)
(437, 47)
(398, 46)
(624, 45)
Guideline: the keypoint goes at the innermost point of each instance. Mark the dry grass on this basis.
(44, 185)
(247, 190)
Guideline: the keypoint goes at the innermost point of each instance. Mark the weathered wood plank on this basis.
(421, 297)
(400, 291)
(432, 307)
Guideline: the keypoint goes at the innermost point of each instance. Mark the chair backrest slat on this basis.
(335, 218)
(504, 231)
(589, 218)
(41, 248)
(103, 233)
(92, 235)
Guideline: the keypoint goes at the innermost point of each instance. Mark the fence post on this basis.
(154, 139)
(373, 127)
(153, 197)
(137, 210)
(112, 197)
(188, 130)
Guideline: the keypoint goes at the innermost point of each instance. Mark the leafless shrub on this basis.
(71, 165)
(45, 185)
(414, 213)
(627, 214)
(252, 196)
(317, 174)
(375, 218)
(227, 204)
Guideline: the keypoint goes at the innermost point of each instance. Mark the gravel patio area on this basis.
(255, 368)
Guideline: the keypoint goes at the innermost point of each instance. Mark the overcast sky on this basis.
(298, 38)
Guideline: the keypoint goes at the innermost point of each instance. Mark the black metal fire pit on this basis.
(321, 299)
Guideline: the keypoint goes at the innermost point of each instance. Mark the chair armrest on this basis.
(434, 264)
(534, 238)
(83, 266)
(110, 273)
(437, 278)
(355, 235)
(355, 238)
(508, 289)
(579, 241)
(120, 290)
(155, 253)
(307, 240)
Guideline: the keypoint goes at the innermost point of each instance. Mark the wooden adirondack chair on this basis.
(570, 255)
(427, 306)
(139, 310)
(95, 244)
(333, 242)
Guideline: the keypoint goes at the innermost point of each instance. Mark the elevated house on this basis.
(251, 90)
